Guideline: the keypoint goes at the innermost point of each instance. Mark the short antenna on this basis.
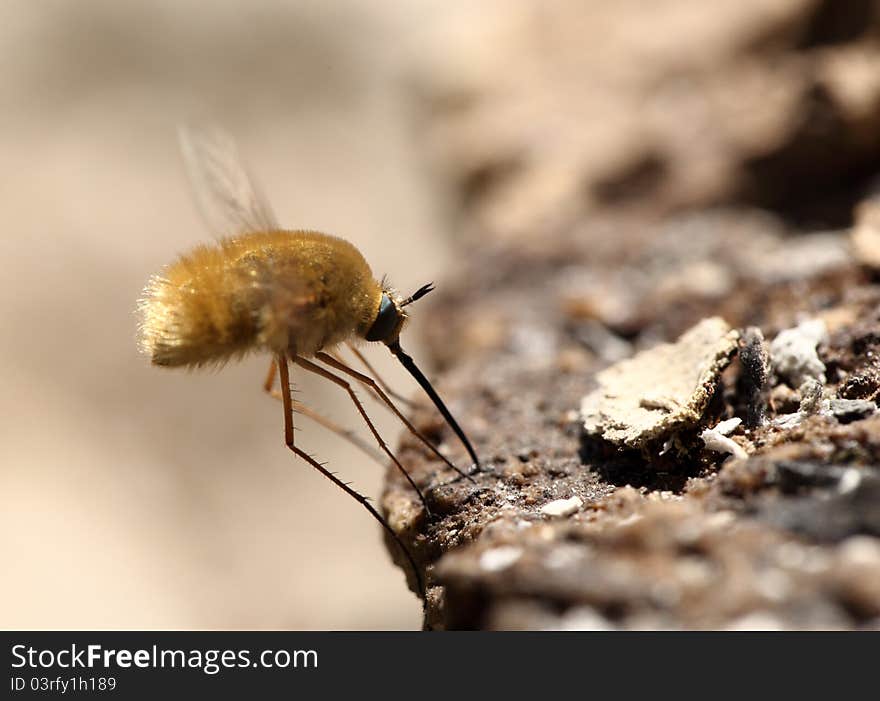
(418, 294)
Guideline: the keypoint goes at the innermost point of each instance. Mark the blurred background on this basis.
(132, 497)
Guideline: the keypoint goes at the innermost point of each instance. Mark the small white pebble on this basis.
(849, 480)
(720, 443)
(793, 353)
(500, 558)
(725, 428)
(562, 507)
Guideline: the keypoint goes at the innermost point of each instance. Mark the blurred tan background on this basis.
(132, 497)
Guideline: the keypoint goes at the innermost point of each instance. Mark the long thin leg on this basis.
(329, 424)
(318, 370)
(384, 385)
(370, 382)
(375, 396)
(270, 378)
(286, 400)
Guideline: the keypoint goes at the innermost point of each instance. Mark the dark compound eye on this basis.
(387, 321)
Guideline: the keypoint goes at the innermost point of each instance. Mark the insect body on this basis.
(275, 291)
(296, 295)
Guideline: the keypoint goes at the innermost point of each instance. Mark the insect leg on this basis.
(318, 370)
(284, 373)
(270, 378)
(329, 424)
(371, 383)
(384, 385)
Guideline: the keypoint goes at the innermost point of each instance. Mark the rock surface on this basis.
(681, 224)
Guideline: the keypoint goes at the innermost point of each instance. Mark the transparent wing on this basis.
(227, 196)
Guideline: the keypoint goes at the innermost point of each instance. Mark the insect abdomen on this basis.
(204, 308)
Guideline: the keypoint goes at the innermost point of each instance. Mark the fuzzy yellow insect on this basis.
(295, 295)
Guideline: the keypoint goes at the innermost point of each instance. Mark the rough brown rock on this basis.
(579, 255)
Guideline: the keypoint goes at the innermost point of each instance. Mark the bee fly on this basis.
(297, 295)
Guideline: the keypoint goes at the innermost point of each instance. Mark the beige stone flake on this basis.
(662, 390)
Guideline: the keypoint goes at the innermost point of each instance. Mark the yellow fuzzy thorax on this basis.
(280, 291)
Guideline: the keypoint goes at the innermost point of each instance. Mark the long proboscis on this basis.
(407, 362)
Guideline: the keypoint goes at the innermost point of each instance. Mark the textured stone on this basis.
(661, 390)
(793, 353)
